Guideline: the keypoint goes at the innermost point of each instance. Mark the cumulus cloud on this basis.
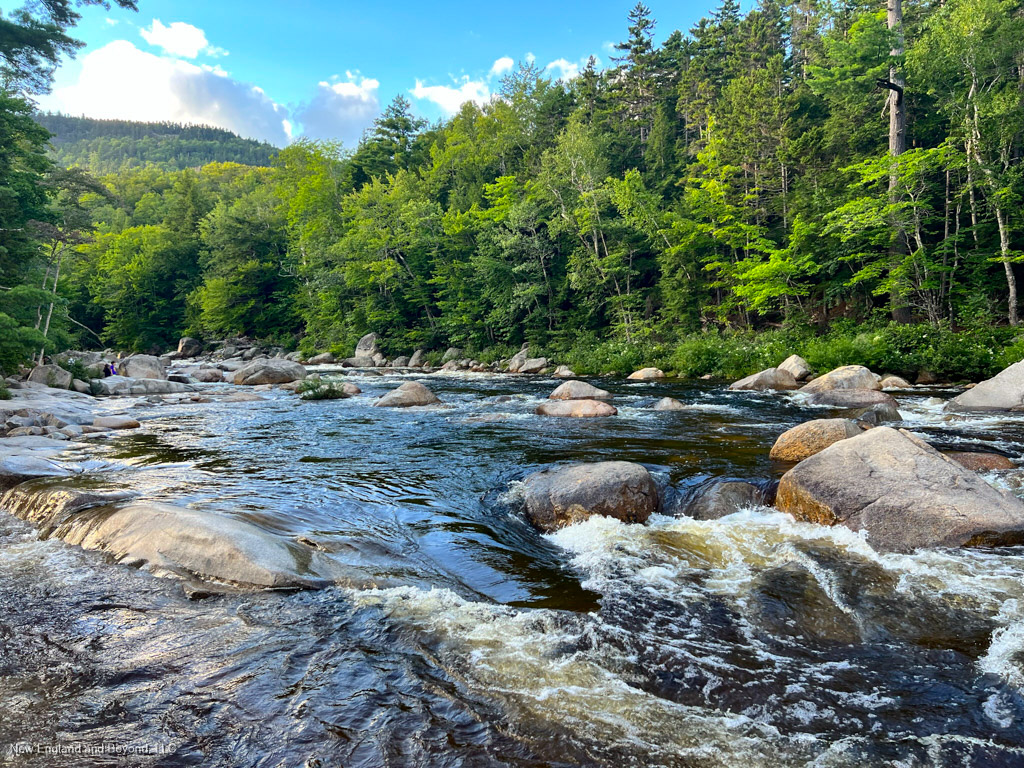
(121, 81)
(502, 65)
(450, 98)
(340, 110)
(565, 70)
(179, 39)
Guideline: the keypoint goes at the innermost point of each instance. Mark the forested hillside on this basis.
(807, 168)
(110, 146)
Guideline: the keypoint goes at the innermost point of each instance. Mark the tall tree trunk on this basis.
(897, 132)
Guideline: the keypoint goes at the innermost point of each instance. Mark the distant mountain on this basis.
(107, 146)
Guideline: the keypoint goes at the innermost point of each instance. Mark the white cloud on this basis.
(340, 110)
(121, 81)
(565, 70)
(609, 47)
(451, 98)
(179, 39)
(502, 65)
(530, 58)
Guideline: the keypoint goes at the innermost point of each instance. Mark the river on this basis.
(748, 641)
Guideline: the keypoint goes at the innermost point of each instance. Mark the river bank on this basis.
(752, 639)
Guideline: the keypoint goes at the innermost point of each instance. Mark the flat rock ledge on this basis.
(167, 540)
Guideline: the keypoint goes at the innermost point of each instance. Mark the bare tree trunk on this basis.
(1004, 250)
(897, 129)
(49, 314)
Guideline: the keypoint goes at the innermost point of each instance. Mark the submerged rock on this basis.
(847, 377)
(852, 398)
(269, 371)
(724, 498)
(981, 462)
(647, 374)
(768, 379)
(409, 394)
(797, 367)
(902, 492)
(579, 390)
(555, 498)
(809, 438)
(669, 404)
(576, 408)
(1003, 392)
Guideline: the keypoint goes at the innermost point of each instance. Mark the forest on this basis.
(838, 177)
(111, 146)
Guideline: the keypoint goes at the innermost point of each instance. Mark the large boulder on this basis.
(208, 375)
(189, 347)
(852, 398)
(805, 440)
(769, 379)
(647, 374)
(894, 382)
(874, 415)
(579, 390)
(847, 377)
(581, 409)
(669, 404)
(1003, 392)
(452, 353)
(269, 371)
(324, 358)
(29, 457)
(724, 498)
(400, 362)
(52, 376)
(409, 394)
(115, 422)
(981, 462)
(419, 357)
(158, 387)
(367, 346)
(902, 492)
(359, 361)
(142, 367)
(555, 498)
(797, 367)
(113, 385)
(563, 372)
(534, 365)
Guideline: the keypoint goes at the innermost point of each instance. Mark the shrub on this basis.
(315, 388)
(76, 369)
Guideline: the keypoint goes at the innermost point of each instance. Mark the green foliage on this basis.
(76, 369)
(316, 388)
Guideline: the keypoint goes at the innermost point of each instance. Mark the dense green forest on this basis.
(809, 173)
(111, 146)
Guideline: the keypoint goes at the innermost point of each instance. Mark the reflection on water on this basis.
(751, 640)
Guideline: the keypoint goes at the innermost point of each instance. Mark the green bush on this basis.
(76, 369)
(5, 393)
(315, 388)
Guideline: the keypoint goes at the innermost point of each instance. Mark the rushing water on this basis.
(747, 641)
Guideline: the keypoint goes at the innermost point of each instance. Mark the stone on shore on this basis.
(894, 382)
(774, 379)
(846, 377)
(367, 346)
(189, 347)
(555, 498)
(51, 375)
(324, 358)
(115, 422)
(805, 440)
(797, 367)
(269, 371)
(533, 365)
(902, 492)
(408, 395)
(419, 357)
(563, 372)
(581, 409)
(578, 390)
(142, 367)
(1003, 392)
(647, 374)
(669, 404)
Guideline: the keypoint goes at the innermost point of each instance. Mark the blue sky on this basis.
(279, 70)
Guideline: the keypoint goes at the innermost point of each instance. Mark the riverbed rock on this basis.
(579, 390)
(555, 498)
(400, 362)
(157, 387)
(847, 377)
(189, 347)
(324, 358)
(926, 378)
(142, 367)
(533, 365)
(894, 382)
(208, 375)
(80, 386)
(269, 371)
(359, 361)
(769, 379)
(724, 498)
(452, 353)
(1003, 392)
(902, 492)
(367, 346)
(116, 422)
(516, 361)
(114, 385)
(981, 462)
(877, 414)
(797, 367)
(669, 404)
(563, 372)
(243, 397)
(419, 357)
(852, 398)
(52, 376)
(647, 374)
(580, 409)
(409, 394)
(811, 437)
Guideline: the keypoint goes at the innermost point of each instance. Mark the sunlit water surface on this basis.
(748, 641)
